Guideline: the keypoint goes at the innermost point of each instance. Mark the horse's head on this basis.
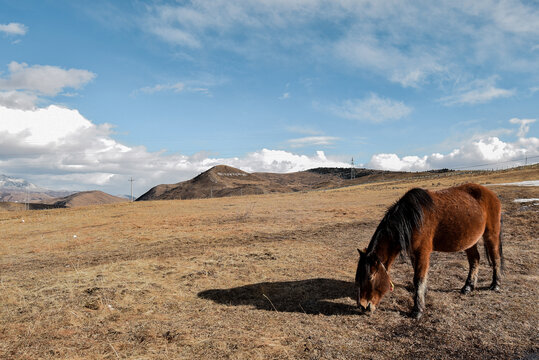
(372, 281)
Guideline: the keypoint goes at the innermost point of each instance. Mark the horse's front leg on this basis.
(473, 261)
(421, 268)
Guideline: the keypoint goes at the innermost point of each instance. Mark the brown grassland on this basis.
(255, 277)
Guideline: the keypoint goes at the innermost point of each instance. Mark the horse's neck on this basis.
(386, 251)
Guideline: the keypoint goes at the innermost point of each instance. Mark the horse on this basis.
(423, 221)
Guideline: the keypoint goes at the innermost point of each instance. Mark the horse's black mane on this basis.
(401, 219)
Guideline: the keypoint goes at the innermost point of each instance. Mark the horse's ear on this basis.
(361, 253)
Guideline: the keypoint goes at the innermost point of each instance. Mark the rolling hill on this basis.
(223, 180)
(86, 198)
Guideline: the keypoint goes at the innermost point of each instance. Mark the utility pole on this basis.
(131, 181)
(352, 175)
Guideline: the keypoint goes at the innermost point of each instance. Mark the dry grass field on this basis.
(254, 277)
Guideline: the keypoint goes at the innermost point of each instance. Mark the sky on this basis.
(94, 93)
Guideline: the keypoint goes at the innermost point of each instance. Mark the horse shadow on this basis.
(311, 296)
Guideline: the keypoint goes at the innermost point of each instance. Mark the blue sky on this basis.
(163, 90)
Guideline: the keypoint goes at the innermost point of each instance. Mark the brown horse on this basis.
(423, 221)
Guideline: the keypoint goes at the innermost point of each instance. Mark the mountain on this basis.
(223, 180)
(85, 198)
(17, 184)
(19, 190)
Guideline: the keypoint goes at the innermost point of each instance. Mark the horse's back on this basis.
(461, 215)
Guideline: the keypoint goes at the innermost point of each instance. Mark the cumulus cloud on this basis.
(280, 161)
(57, 147)
(13, 29)
(24, 85)
(489, 151)
(18, 99)
(373, 108)
(43, 79)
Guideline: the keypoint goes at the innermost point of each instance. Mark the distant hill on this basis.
(78, 199)
(86, 198)
(223, 180)
(218, 181)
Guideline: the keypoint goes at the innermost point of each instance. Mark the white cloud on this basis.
(13, 29)
(524, 125)
(394, 163)
(282, 161)
(369, 52)
(304, 130)
(373, 108)
(514, 16)
(43, 79)
(174, 35)
(407, 42)
(44, 126)
(489, 151)
(312, 141)
(25, 85)
(200, 85)
(477, 92)
(18, 99)
(178, 87)
(57, 147)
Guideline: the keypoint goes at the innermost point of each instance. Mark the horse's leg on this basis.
(421, 268)
(492, 244)
(473, 261)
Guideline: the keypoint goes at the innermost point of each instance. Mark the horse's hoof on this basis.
(495, 287)
(416, 314)
(466, 289)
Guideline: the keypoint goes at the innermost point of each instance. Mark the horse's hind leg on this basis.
(492, 240)
(473, 261)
